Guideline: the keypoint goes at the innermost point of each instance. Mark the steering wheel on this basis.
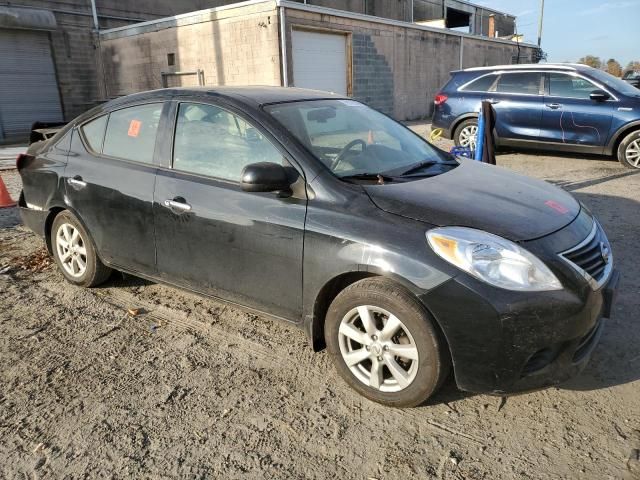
(346, 150)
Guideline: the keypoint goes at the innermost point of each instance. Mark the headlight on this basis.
(492, 259)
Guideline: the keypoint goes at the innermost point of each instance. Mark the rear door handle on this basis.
(554, 106)
(178, 205)
(77, 182)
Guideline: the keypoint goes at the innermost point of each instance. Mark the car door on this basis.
(570, 116)
(216, 238)
(109, 182)
(517, 100)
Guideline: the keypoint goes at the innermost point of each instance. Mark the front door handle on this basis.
(178, 205)
(77, 182)
(554, 106)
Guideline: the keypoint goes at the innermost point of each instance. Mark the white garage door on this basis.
(320, 61)
(28, 86)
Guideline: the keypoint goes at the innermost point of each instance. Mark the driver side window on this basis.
(567, 86)
(212, 141)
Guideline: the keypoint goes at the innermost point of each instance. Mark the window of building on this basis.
(131, 132)
(214, 142)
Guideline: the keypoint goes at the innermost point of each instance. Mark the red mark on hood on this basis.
(556, 206)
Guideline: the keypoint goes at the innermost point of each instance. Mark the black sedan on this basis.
(401, 259)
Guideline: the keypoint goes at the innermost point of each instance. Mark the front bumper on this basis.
(520, 341)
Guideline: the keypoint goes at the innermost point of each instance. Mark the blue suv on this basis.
(562, 107)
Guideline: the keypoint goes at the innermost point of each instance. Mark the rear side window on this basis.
(567, 86)
(93, 132)
(131, 132)
(482, 84)
(212, 141)
(523, 83)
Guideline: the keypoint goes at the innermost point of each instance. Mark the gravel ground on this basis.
(192, 388)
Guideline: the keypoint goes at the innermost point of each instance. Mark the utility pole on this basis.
(540, 23)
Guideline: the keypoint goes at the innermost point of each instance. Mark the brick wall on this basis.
(399, 69)
(237, 46)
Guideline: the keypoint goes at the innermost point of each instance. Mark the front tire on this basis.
(384, 344)
(74, 252)
(629, 150)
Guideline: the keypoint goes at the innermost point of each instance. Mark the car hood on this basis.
(481, 196)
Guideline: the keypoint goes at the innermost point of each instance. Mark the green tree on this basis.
(592, 61)
(614, 67)
(633, 65)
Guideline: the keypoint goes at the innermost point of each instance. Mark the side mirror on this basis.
(265, 177)
(599, 96)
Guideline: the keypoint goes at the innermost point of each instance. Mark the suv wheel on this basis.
(74, 253)
(629, 150)
(466, 134)
(384, 345)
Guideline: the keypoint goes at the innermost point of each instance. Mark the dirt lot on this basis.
(191, 388)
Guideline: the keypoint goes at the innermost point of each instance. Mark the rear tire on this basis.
(466, 134)
(384, 343)
(629, 150)
(74, 252)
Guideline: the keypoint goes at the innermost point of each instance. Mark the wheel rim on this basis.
(378, 348)
(71, 250)
(468, 136)
(632, 153)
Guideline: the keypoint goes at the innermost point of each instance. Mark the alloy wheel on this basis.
(71, 250)
(632, 153)
(468, 136)
(378, 348)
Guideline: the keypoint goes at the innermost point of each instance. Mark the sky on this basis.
(575, 28)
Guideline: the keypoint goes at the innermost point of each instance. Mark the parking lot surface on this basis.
(189, 387)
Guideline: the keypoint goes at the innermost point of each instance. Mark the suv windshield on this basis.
(352, 139)
(614, 82)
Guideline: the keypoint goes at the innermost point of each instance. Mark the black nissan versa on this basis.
(401, 259)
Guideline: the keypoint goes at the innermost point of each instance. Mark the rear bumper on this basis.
(519, 342)
(34, 219)
(437, 121)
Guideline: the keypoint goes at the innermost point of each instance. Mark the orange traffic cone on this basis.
(5, 198)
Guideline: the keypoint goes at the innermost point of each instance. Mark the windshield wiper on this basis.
(378, 177)
(427, 163)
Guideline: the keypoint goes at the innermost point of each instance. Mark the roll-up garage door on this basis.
(28, 85)
(320, 61)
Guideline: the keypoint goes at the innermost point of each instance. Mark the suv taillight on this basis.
(440, 99)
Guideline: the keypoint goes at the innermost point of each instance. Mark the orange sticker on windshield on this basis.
(134, 128)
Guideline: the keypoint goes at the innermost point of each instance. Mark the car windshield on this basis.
(614, 82)
(632, 75)
(352, 139)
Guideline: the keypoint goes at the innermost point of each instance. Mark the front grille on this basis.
(593, 255)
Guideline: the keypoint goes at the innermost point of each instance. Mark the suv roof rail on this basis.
(553, 66)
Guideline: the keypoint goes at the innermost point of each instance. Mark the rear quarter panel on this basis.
(459, 105)
(42, 175)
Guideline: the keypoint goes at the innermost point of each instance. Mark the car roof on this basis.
(253, 96)
(530, 66)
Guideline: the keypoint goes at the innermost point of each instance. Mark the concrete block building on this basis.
(49, 54)
(62, 57)
(393, 65)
